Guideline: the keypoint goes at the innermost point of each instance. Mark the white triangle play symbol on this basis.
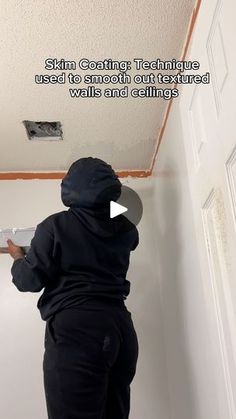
(116, 209)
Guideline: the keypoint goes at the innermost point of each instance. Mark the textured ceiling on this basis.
(122, 131)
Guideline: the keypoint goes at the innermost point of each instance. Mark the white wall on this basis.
(178, 267)
(24, 204)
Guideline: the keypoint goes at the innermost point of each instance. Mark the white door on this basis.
(208, 114)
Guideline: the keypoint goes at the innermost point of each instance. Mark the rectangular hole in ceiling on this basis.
(43, 130)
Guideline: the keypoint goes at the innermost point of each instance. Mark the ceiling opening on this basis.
(43, 130)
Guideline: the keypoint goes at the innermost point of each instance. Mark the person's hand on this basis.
(15, 251)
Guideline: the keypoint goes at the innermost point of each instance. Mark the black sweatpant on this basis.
(89, 361)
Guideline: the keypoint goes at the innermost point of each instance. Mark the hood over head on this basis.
(88, 187)
(90, 183)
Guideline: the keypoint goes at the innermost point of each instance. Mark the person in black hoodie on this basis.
(80, 257)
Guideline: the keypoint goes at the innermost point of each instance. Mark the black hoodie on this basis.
(79, 254)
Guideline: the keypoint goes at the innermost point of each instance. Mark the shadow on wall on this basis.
(170, 247)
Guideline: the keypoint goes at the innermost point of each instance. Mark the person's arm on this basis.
(33, 271)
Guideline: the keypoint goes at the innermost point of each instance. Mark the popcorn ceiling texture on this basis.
(122, 131)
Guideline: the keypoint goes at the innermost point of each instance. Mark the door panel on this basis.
(208, 118)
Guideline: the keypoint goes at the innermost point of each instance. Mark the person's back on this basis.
(85, 251)
(81, 257)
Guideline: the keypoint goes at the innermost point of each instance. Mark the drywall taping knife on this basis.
(20, 236)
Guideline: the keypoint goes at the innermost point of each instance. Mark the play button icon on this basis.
(130, 201)
(122, 207)
(116, 209)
